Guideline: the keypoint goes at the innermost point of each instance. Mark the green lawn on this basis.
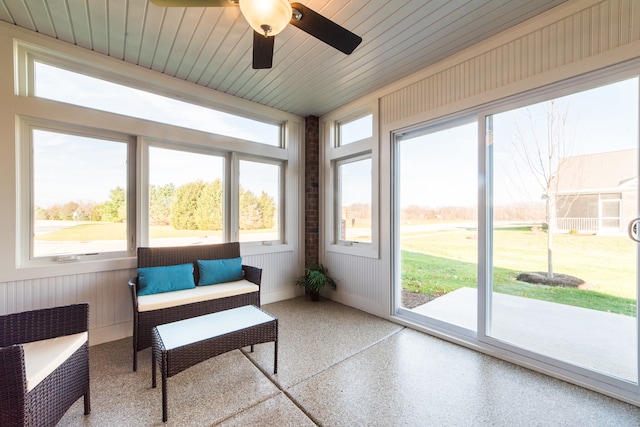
(438, 263)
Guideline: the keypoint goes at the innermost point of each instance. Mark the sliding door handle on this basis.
(634, 225)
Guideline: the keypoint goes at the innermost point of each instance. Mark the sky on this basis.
(436, 169)
(599, 120)
(441, 168)
(93, 181)
(58, 84)
(72, 174)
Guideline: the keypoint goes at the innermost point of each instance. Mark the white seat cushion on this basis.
(198, 294)
(41, 358)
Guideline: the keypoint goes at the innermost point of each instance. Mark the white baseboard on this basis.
(110, 333)
(281, 295)
(359, 303)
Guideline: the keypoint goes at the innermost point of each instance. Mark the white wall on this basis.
(578, 37)
(104, 283)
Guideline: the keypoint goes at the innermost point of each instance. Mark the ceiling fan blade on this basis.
(193, 3)
(262, 51)
(324, 29)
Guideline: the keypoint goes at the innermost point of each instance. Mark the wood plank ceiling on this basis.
(212, 46)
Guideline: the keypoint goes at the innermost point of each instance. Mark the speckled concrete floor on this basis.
(341, 367)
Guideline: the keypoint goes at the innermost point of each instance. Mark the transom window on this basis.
(355, 130)
(74, 88)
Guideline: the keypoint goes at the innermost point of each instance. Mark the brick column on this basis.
(311, 189)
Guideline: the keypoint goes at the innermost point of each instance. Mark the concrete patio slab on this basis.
(597, 340)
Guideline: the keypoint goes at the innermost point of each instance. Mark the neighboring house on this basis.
(597, 192)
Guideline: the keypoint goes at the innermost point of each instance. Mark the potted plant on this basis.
(315, 278)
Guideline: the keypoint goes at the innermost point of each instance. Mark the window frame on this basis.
(281, 200)
(333, 154)
(26, 205)
(339, 124)
(144, 183)
(73, 118)
(338, 198)
(25, 85)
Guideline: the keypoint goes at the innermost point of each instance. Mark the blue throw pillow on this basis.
(154, 280)
(213, 271)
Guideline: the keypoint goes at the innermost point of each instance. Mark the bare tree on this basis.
(544, 151)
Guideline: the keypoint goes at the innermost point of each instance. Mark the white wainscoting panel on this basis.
(362, 282)
(278, 272)
(107, 293)
(110, 312)
(557, 42)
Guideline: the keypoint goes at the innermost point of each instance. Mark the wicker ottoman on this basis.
(179, 345)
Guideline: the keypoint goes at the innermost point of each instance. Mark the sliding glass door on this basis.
(437, 222)
(518, 229)
(564, 191)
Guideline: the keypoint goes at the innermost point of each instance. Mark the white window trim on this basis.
(281, 202)
(71, 116)
(25, 220)
(330, 153)
(27, 53)
(231, 183)
(337, 206)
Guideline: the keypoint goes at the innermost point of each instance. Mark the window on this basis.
(95, 185)
(351, 186)
(79, 89)
(353, 215)
(186, 197)
(260, 207)
(355, 130)
(80, 195)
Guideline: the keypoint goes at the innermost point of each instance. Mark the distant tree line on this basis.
(113, 210)
(192, 206)
(525, 212)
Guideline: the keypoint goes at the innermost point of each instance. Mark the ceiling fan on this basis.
(270, 17)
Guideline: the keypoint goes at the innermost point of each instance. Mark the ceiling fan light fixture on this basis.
(268, 17)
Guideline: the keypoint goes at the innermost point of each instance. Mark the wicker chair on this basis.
(48, 401)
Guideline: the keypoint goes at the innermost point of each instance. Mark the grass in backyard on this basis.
(90, 231)
(605, 263)
(87, 231)
(434, 275)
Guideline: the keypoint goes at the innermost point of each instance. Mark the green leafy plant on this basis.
(315, 278)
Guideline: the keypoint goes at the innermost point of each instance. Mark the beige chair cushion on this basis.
(198, 294)
(43, 357)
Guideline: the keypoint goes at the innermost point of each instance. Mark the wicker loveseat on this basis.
(177, 305)
(44, 364)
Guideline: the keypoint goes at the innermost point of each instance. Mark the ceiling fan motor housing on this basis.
(268, 17)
